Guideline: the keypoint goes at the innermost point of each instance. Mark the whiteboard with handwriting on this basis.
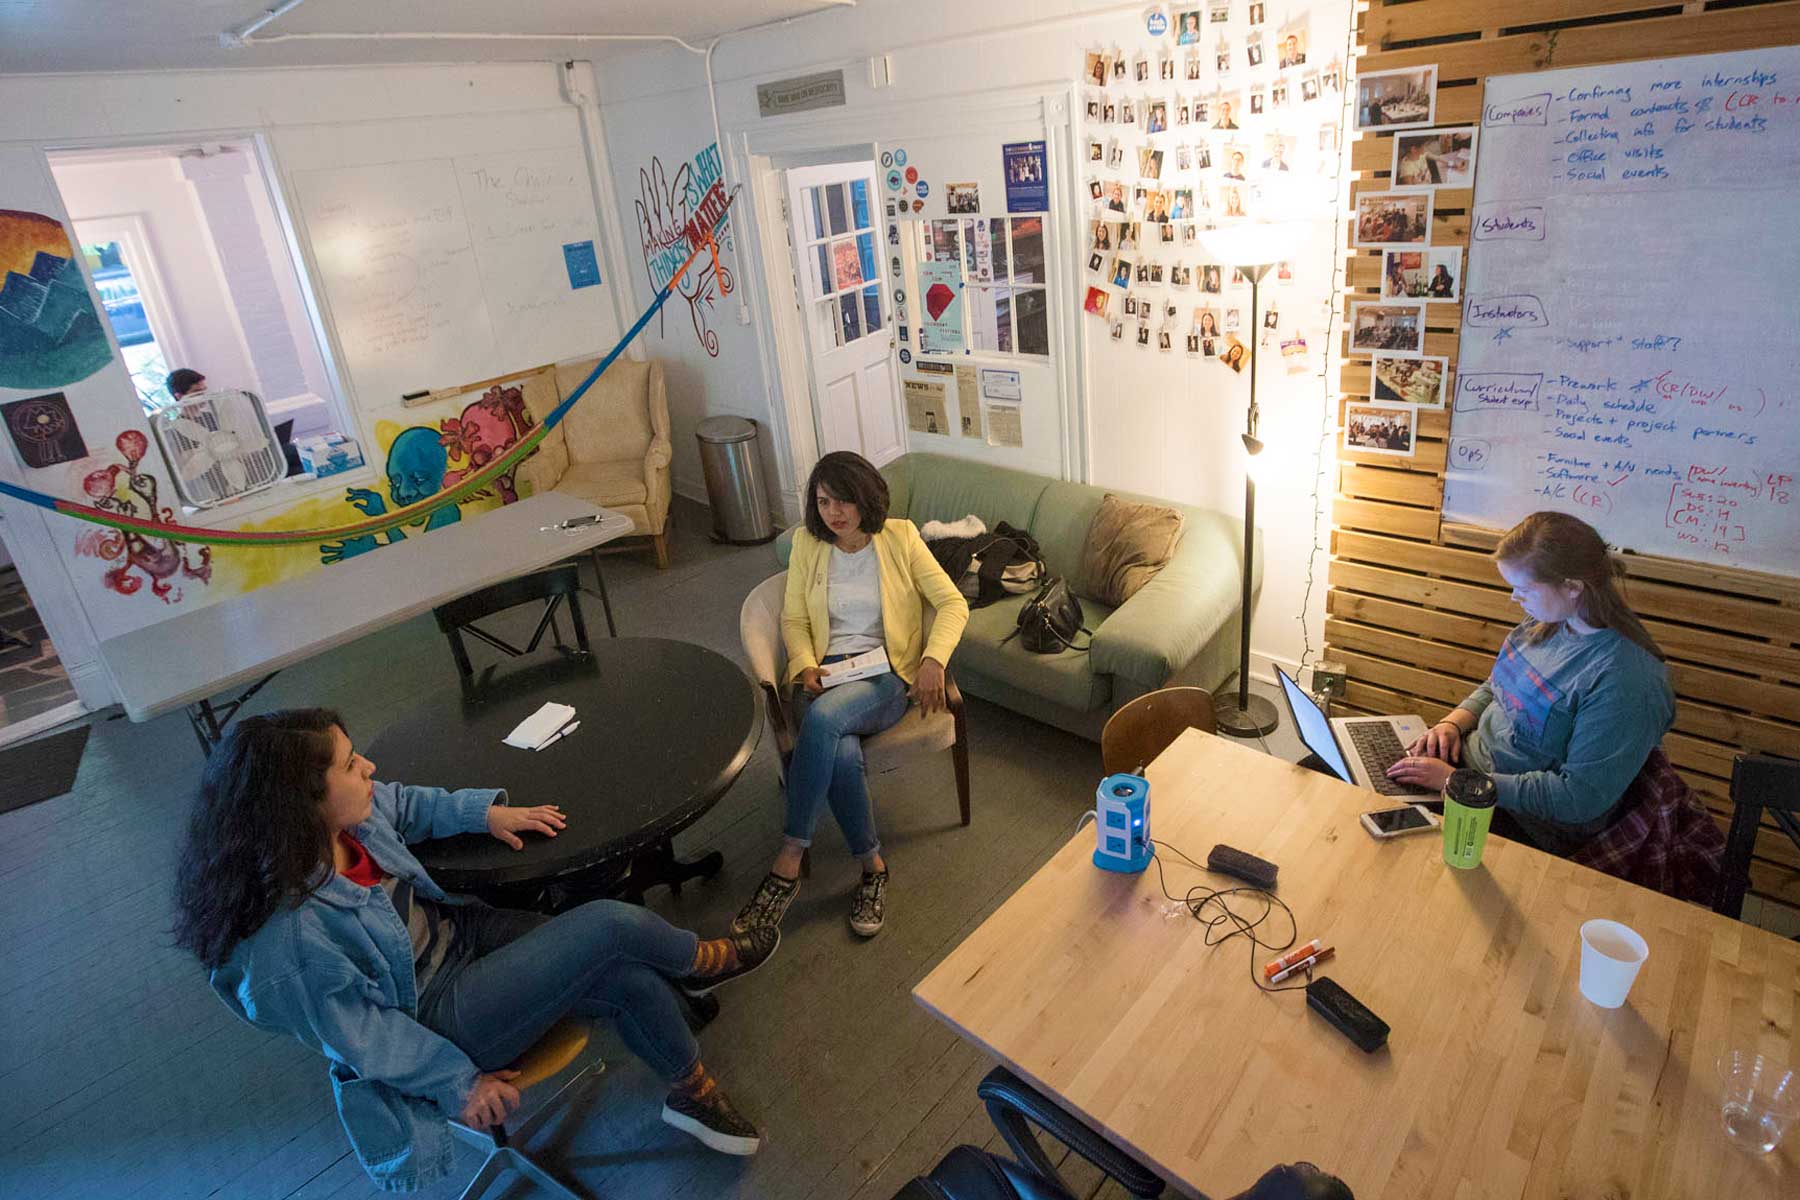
(1630, 347)
(439, 272)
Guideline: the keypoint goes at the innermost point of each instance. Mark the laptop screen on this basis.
(1313, 728)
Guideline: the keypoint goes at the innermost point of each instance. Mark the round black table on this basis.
(666, 728)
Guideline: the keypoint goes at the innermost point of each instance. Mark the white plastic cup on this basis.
(1611, 956)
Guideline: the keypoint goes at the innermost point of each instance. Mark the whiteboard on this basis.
(1630, 349)
(439, 272)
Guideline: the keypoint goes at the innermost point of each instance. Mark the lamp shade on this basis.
(1253, 243)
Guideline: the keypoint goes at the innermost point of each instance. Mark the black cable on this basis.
(1200, 898)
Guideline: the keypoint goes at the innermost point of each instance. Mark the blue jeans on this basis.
(827, 764)
(511, 975)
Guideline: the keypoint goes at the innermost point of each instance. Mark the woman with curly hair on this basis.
(297, 891)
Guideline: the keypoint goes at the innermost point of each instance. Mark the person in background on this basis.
(184, 381)
(297, 892)
(857, 582)
(1577, 699)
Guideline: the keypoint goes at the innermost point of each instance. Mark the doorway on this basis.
(35, 691)
(837, 246)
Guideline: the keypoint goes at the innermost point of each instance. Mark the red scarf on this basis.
(362, 868)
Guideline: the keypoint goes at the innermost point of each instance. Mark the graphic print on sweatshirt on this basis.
(1527, 695)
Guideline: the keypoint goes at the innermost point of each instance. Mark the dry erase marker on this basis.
(1302, 965)
(1270, 970)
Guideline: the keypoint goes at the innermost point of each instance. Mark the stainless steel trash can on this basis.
(732, 464)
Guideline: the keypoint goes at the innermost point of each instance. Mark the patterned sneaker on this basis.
(870, 905)
(712, 1120)
(751, 949)
(768, 906)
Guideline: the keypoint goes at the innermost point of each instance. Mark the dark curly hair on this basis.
(846, 475)
(256, 838)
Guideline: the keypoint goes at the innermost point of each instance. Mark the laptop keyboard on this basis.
(1379, 749)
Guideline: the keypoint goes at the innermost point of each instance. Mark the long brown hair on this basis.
(1555, 548)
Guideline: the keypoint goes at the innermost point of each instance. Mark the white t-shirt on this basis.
(853, 601)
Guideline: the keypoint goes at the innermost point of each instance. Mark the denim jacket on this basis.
(336, 972)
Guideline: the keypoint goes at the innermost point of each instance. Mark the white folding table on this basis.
(187, 660)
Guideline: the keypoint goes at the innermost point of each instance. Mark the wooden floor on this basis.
(122, 1077)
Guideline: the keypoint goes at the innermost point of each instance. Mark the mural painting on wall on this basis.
(50, 334)
(129, 490)
(673, 214)
(423, 461)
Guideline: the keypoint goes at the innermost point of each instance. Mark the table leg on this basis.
(605, 602)
(207, 728)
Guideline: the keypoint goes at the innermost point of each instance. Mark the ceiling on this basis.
(128, 35)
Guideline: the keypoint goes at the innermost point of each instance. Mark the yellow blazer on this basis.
(909, 577)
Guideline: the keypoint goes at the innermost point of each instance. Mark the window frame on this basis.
(922, 252)
(133, 238)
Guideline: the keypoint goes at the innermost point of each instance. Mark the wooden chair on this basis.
(759, 628)
(1759, 783)
(551, 587)
(559, 1047)
(1143, 728)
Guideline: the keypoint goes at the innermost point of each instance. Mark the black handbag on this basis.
(1049, 621)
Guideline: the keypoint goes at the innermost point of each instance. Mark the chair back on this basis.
(618, 417)
(1143, 729)
(1759, 783)
(551, 587)
(759, 629)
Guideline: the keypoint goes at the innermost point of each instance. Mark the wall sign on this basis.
(583, 264)
(801, 94)
(44, 430)
(1027, 181)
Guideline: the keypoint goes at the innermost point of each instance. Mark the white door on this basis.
(839, 242)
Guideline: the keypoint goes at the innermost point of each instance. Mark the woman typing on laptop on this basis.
(1577, 699)
(857, 585)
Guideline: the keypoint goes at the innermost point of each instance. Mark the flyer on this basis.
(1003, 425)
(925, 406)
(966, 400)
(1027, 179)
(941, 322)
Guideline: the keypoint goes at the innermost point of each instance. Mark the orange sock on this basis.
(697, 1083)
(714, 957)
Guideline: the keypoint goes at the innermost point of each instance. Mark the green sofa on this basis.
(1180, 628)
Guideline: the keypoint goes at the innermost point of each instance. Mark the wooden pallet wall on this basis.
(1415, 607)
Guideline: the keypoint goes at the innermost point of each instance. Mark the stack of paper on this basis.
(542, 727)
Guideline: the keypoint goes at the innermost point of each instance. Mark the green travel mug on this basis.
(1468, 811)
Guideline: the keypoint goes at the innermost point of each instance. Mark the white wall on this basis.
(1148, 422)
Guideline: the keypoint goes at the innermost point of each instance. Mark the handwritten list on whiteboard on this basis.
(1630, 347)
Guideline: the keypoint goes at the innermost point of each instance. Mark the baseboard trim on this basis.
(30, 727)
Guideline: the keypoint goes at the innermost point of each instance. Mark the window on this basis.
(126, 278)
(1003, 273)
(840, 256)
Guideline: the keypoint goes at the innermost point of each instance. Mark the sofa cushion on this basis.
(1127, 544)
(1066, 679)
(611, 423)
(938, 488)
(608, 484)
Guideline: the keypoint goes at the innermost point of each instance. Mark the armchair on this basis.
(613, 448)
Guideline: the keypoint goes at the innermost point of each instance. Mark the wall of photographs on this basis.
(1196, 118)
(1415, 609)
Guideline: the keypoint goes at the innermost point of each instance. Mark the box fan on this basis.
(219, 446)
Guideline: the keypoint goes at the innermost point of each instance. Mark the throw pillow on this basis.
(1127, 544)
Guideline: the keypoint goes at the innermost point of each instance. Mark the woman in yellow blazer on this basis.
(857, 582)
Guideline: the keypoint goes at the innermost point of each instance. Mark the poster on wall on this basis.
(1027, 180)
(925, 406)
(941, 324)
(50, 334)
(1004, 427)
(43, 430)
(671, 212)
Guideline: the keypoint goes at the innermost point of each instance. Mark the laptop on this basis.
(1357, 750)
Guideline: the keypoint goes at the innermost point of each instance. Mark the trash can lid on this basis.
(726, 429)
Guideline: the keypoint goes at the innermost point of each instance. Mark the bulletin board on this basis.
(1415, 608)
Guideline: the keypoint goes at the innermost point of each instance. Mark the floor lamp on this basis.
(1252, 249)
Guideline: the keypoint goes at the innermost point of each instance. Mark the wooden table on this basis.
(187, 660)
(1499, 1079)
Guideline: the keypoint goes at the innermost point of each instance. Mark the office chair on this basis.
(1146, 726)
(551, 587)
(562, 1045)
(759, 629)
(1759, 783)
(966, 1173)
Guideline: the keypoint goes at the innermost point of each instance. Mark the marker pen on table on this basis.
(1307, 950)
(1302, 965)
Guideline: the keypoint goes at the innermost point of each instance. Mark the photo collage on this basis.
(1210, 119)
(1397, 223)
